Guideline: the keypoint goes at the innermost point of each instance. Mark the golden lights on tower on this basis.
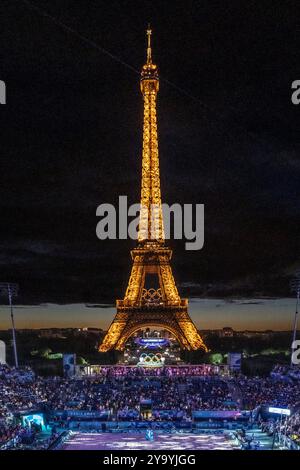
(151, 219)
(141, 306)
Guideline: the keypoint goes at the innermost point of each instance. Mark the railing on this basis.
(161, 303)
(59, 442)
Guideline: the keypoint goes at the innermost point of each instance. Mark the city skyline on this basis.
(241, 314)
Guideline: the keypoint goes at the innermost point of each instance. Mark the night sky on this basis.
(71, 136)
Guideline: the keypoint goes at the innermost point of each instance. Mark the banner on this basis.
(69, 363)
(222, 414)
(82, 414)
(234, 361)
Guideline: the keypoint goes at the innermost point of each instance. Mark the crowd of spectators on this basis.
(12, 382)
(166, 371)
(120, 391)
(259, 391)
(292, 428)
(286, 374)
(9, 431)
(284, 430)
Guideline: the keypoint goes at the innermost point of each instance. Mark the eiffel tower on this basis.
(151, 298)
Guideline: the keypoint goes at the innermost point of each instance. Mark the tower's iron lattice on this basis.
(159, 305)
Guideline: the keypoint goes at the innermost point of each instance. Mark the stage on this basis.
(138, 441)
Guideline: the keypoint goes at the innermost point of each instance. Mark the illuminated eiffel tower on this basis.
(151, 298)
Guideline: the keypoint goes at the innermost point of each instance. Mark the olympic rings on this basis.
(152, 295)
(151, 359)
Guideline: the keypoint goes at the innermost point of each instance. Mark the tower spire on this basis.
(151, 218)
(149, 51)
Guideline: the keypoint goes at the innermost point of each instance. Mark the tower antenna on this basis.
(149, 52)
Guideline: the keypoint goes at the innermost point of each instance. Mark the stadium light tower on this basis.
(295, 287)
(10, 290)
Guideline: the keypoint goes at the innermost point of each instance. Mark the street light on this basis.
(10, 290)
(295, 287)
